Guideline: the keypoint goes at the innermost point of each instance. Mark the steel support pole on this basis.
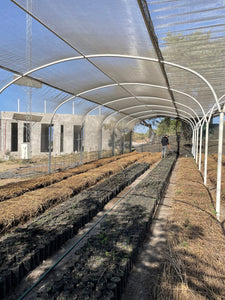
(200, 149)
(81, 146)
(206, 150)
(192, 147)
(193, 142)
(131, 132)
(196, 148)
(113, 142)
(49, 147)
(100, 143)
(219, 165)
(123, 142)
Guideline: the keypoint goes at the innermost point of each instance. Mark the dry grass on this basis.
(13, 189)
(212, 173)
(151, 158)
(195, 252)
(30, 204)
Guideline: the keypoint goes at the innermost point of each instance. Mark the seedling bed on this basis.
(99, 269)
(20, 209)
(11, 190)
(25, 247)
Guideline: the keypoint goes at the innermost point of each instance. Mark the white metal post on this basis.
(206, 150)
(192, 148)
(196, 148)
(219, 165)
(100, 143)
(113, 142)
(81, 144)
(123, 143)
(194, 142)
(200, 149)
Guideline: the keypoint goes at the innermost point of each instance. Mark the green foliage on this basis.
(168, 126)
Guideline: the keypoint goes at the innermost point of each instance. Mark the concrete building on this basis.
(66, 134)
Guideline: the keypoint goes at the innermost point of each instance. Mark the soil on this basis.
(145, 276)
(144, 280)
(146, 271)
(115, 247)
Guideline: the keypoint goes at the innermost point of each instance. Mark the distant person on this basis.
(165, 144)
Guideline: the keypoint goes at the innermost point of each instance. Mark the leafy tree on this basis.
(168, 126)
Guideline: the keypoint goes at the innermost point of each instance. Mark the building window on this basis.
(45, 138)
(14, 137)
(76, 138)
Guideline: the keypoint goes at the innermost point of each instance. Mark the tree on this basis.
(150, 123)
(168, 126)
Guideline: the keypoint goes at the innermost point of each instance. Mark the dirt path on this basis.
(143, 278)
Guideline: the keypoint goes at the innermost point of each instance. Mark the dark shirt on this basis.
(165, 141)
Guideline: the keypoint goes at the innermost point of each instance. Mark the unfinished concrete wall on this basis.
(66, 136)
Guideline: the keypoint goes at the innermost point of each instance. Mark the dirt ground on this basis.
(144, 279)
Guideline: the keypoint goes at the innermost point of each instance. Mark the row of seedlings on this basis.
(28, 245)
(99, 269)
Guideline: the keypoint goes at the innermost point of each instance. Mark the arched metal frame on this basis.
(138, 84)
(141, 117)
(150, 105)
(89, 57)
(152, 114)
(155, 113)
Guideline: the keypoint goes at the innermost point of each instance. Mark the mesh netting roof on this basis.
(135, 58)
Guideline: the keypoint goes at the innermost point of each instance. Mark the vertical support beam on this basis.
(100, 143)
(219, 165)
(194, 143)
(123, 142)
(81, 142)
(113, 142)
(206, 150)
(49, 147)
(131, 133)
(200, 149)
(196, 147)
